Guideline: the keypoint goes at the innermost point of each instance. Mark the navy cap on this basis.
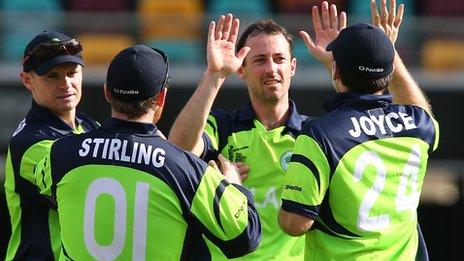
(364, 50)
(41, 65)
(137, 73)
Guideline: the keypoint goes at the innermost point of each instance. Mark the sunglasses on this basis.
(166, 61)
(53, 48)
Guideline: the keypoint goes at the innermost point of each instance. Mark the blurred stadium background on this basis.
(431, 42)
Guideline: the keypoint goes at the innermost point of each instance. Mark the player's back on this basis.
(127, 197)
(376, 156)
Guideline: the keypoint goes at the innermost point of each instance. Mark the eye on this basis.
(258, 60)
(52, 75)
(280, 59)
(71, 73)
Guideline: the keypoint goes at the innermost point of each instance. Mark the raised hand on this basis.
(388, 20)
(327, 26)
(222, 37)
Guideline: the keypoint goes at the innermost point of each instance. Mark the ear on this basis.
(335, 71)
(161, 97)
(26, 78)
(241, 72)
(107, 92)
(293, 66)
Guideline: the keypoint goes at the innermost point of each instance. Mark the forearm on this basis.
(404, 89)
(188, 127)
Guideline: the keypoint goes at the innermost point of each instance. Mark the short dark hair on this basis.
(133, 109)
(362, 84)
(268, 27)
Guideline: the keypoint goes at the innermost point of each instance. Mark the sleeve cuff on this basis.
(300, 209)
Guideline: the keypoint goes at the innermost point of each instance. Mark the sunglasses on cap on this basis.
(53, 48)
(166, 61)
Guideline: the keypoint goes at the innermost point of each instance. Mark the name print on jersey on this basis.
(117, 149)
(394, 122)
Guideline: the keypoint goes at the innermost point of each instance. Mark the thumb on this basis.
(243, 53)
(213, 164)
(308, 41)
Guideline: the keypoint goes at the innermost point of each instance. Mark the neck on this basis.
(69, 118)
(146, 118)
(272, 115)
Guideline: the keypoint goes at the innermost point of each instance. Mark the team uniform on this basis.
(239, 136)
(358, 172)
(35, 228)
(125, 193)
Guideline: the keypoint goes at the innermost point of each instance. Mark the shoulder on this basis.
(87, 122)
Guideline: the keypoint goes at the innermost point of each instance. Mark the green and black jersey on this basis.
(35, 228)
(358, 172)
(239, 136)
(125, 193)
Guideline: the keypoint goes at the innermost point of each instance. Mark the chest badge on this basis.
(285, 159)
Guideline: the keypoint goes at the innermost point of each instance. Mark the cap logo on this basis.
(130, 92)
(367, 69)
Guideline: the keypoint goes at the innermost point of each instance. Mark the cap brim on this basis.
(46, 66)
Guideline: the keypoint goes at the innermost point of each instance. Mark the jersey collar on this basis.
(129, 127)
(45, 116)
(293, 124)
(361, 100)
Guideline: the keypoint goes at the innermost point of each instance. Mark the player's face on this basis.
(268, 68)
(59, 90)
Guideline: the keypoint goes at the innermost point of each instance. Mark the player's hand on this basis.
(243, 170)
(221, 56)
(388, 20)
(228, 169)
(327, 26)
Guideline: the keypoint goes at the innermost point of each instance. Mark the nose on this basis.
(271, 66)
(65, 82)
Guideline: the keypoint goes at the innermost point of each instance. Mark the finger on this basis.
(227, 27)
(243, 53)
(234, 31)
(342, 22)
(375, 14)
(220, 26)
(243, 177)
(316, 19)
(212, 27)
(392, 12)
(333, 17)
(399, 16)
(325, 15)
(383, 12)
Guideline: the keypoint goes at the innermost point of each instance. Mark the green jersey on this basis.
(125, 193)
(358, 172)
(239, 136)
(35, 228)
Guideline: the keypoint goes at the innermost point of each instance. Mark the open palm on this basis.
(221, 55)
(326, 30)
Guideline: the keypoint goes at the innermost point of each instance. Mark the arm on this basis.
(226, 210)
(222, 61)
(403, 87)
(326, 30)
(294, 224)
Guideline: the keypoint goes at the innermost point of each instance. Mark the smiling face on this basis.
(268, 68)
(59, 90)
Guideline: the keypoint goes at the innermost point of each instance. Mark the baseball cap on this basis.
(49, 49)
(364, 50)
(137, 73)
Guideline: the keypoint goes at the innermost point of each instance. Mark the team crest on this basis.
(285, 159)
